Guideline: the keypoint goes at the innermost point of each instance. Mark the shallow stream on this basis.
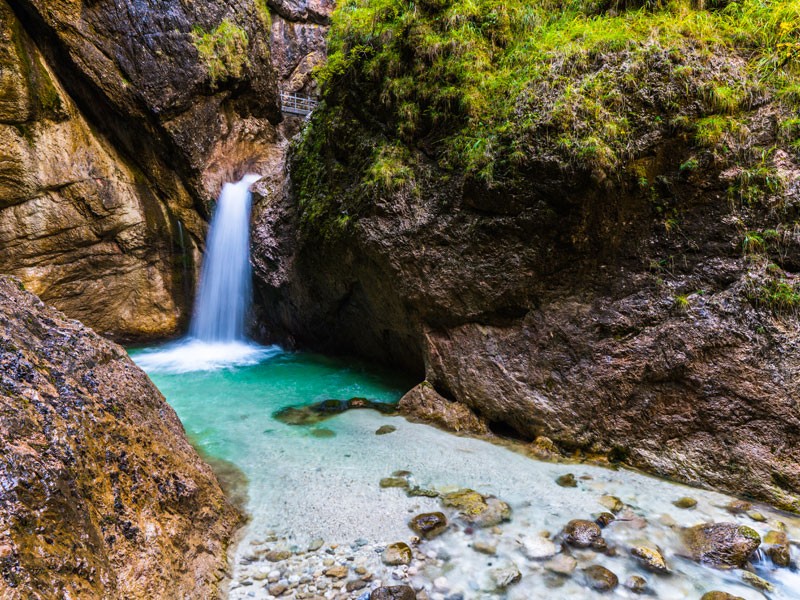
(319, 519)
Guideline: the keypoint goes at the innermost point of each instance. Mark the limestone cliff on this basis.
(102, 495)
(607, 256)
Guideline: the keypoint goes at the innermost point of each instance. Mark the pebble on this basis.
(505, 575)
(537, 548)
(561, 564)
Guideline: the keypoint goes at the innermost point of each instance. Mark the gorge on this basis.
(569, 229)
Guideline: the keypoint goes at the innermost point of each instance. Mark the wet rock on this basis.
(722, 545)
(584, 534)
(543, 447)
(757, 582)
(756, 516)
(720, 596)
(504, 576)
(562, 564)
(650, 558)
(567, 480)
(428, 525)
(384, 429)
(323, 432)
(776, 546)
(477, 509)
(599, 578)
(537, 548)
(636, 584)
(397, 592)
(612, 503)
(424, 404)
(605, 519)
(277, 555)
(395, 554)
(685, 502)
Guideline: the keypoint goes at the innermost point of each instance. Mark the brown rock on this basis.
(397, 592)
(567, 480)
(428, 525)
(722, 545)
(685, 502)
(599, 578)
(636, 584)
(424, 404)
(337, 572)
(584, 534)
(776, 546)
(650, 558)
(277, 555)
(398, 553)
(96, 462)
(720, 596)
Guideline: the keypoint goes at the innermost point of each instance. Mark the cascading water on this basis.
(216, 335)
(224, 294)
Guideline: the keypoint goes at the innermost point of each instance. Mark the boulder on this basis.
(424, 404)
(776, 546)
(396, 554)
(102, 494)
(396, 592)
(599, 578)
(721, 545)
(650, 558)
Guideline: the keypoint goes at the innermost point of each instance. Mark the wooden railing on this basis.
(297, 105)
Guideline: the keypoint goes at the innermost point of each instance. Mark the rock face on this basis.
(78, 223)
(119, 124)
(628, 316)
(424, 404)
(102, 495)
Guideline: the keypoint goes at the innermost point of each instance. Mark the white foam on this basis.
(190, 354)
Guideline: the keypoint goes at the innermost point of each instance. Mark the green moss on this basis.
(223, 50)
(780, 294)
(490, 89)
(264, 13)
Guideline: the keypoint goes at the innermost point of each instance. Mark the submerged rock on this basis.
(605, 519)
(562, 564)
(537, 548)
(477, 509)
(384, 429)
(636, 584)
(394, 482)
(599, 578)
(612, 503)
(685, 502)
(428, 525)
(504, 575)
(316, 413)
(396, 554)
(757, 582)
(396, 592)
(101, 494)
(584, 534)
(715, 595)
(722, 545)
(567, 480)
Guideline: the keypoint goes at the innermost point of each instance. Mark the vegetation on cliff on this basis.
(495, 88)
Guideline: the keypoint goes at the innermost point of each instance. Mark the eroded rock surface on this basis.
(102, 495)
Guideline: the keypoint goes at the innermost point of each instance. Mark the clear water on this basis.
(322, 482)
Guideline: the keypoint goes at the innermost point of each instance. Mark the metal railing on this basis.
(297, 105)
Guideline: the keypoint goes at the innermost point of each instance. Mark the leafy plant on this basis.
(223, 50)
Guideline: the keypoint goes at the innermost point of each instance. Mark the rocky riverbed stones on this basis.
(612, 503)
(537, 548)
(715, 595)
(685, 502)
(722, 545)
(428, 525)
(581, 533)
(504, 575)
(567, 480)
(562, 564)
(636, 584)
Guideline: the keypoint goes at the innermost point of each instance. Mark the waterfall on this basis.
(216, 335)
(225, 280)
